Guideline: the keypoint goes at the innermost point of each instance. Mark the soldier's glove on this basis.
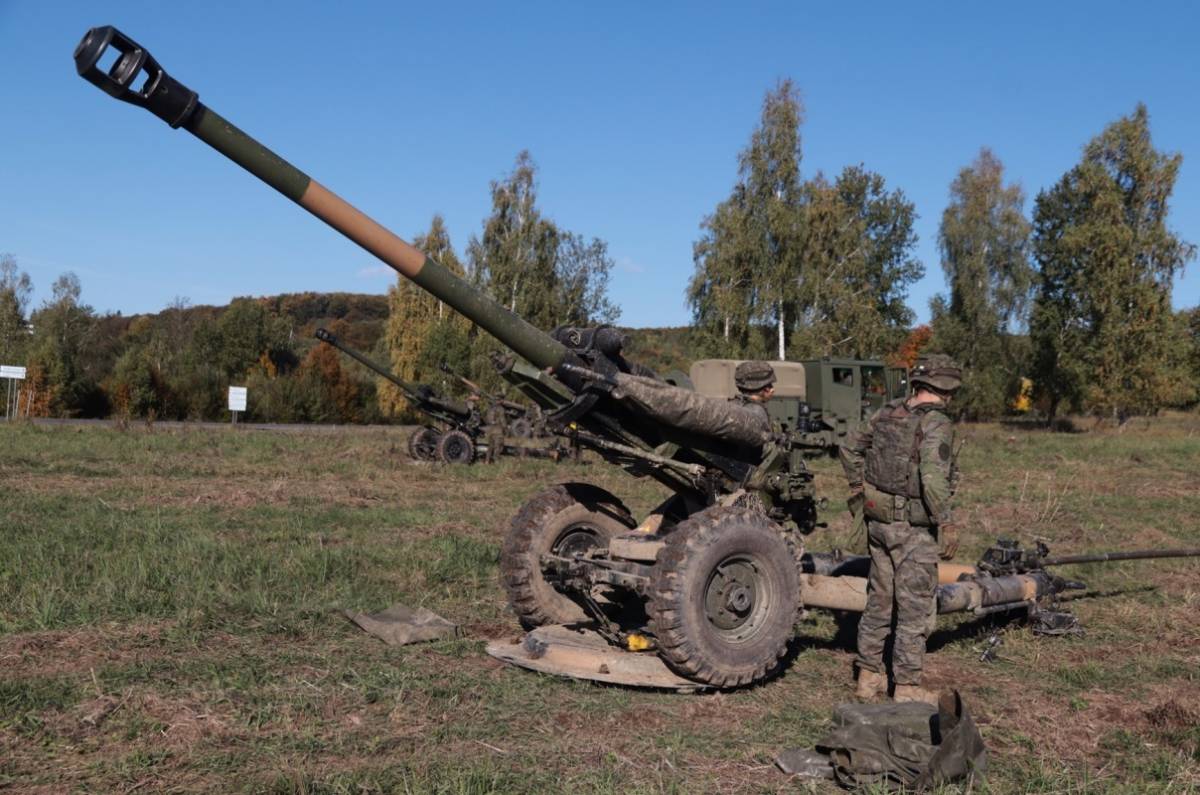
(855, 503)
(948, 540)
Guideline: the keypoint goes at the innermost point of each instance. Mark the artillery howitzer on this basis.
(713, 579)
(465, 425)
(520, 420)
(456, 442)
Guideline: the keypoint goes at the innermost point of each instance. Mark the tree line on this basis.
(1074, 300)
(1071, 302)
(179, 363)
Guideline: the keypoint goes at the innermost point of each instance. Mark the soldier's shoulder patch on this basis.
(944, 451)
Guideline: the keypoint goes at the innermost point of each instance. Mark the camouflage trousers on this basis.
(493, 437)
(900, 587)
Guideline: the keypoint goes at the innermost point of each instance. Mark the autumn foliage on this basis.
(910, 350)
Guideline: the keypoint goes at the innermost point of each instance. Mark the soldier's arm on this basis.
(852, 453)
(937, 448)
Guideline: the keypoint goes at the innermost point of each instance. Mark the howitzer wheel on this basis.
(422, 444)
(566, 519)
(725, 597)
(455, 447)
(521, 427)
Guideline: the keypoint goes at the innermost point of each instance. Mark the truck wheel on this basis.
(566, 519)
(725, 597)
(455, 447)
(422, 444)
(521, 427)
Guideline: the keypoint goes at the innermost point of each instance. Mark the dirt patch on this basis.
(489, 630)
(184, 721)
(1072, 729)
(1172, 715)
(73, 651)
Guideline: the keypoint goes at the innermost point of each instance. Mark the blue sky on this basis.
(634, 113)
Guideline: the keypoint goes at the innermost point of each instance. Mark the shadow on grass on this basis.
(845, 637)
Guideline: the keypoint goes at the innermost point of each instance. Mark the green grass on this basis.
(169, 620)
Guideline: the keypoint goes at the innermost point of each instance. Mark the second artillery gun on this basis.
(713, 579)
(463, 426)
(455, 441)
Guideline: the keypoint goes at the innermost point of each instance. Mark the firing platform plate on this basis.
(580, 653)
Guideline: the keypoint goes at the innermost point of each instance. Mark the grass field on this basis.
(168, 623)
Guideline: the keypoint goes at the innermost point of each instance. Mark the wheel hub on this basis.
(739, 599)
(731, 599)
(575, 541)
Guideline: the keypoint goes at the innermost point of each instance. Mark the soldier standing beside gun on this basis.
(756, 384)
(899, 468)
(494, 431)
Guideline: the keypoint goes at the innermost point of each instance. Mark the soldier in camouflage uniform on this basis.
(900, 472)
(494, 430)
(756, 384)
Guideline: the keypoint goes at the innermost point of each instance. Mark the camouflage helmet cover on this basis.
(938, 371)
(753, 376)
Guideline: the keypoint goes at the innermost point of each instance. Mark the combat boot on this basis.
(915, 693)
(870, 685)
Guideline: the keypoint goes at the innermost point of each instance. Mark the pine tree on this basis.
(984, 241)
(1102, 327)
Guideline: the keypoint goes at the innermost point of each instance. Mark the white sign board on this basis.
(9, 371)
(237, 398)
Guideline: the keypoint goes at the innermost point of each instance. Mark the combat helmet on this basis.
(753, 376)
(937, 370)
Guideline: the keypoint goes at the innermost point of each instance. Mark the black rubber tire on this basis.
(422, 444)
(689, 565)
(565, 513)
(455, 447)
(521, 428)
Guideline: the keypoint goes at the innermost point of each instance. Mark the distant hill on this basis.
(364, 316)
(364, 319)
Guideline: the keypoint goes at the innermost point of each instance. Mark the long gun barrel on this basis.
(419, 394)
(476, 389)
(179, 106)
(1007, 577)
(725, 440)
(1104, 557)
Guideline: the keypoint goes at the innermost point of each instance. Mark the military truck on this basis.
(833, 396)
